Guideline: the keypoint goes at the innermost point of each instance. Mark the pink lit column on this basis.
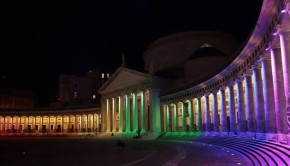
(215, 111)
(259, 100)
(241, 106)
(279, 95)
(268, 91)
(284, 34)
(249, 102)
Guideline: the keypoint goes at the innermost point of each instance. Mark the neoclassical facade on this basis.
(247, 93)
(50, 120)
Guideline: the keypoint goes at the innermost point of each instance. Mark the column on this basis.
(19, 124)
(199, 118)
(232, 109)
(259, 99)
(108, 116)
(103, 115)
(207, 112)
(223, 110)
(48, 123)
(68, 124)
(175, 116)
(241, 105)
(284, 35)
(62, 123)
(128, 113)
(121, 114)
(215, 111)
(135, 113)
(155, 110)
(279, 93)
(41, 124)
(249, 102)
(168, 119)
(183, 117)
(114, 104)
(93, 122)
(191, 116)
(142, 112)
(3, 125)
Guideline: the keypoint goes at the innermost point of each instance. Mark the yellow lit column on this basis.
(108, 116)
(62, 123)
(68, 124)
(48, 123)
(19, 124)
(41, 123)
(114, 114)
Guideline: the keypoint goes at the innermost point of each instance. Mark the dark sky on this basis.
(42, 39)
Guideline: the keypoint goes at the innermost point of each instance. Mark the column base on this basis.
(282, 138)
(251, 135)
(261, 136)
(233, 134)
(224, 133)
(207, 133)
(288, 140)
(271, 137)
(214, 133)
(241, 134)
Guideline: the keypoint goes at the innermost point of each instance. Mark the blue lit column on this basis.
(223, 111)
(249, 103)
(207, 112)
(215, 111)
(241, 106)
(232, 108)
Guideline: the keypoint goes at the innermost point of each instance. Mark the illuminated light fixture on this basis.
(275, 33)
(283, 11)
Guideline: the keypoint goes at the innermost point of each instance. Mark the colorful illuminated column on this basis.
(108, 116)
(241, 105)
(259, 99)
(199, 117)
(103, 114)
(223, 109)
(121, 114)
(215, 111)
(175, 116)
(155, 110)
(127, 106)
(143, 111)
(183, 110)
(168, 119)
(135, 112)
(191, 115)
(232, 109)
(3, 124)
(249, 101)
(279, 95)
(114, 114)
(268, 91)
(284, 34)
(207, 112)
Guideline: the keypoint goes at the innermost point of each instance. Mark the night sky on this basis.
(42, 39)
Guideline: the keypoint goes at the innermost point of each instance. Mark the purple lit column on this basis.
(249, 102)
(268, 90)
(215, 111)
(199, 117)
(232, 109)
(223, 110)
(284, 34)
(241, 106)
(259, 100)
(279, 95)
(207, 112)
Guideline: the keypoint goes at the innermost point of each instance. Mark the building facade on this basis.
(247, 95)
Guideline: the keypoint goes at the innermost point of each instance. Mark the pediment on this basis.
(122, 78)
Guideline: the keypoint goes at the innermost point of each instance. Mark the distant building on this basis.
(75, 90)
(15, 98)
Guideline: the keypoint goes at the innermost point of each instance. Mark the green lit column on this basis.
(168, 128)
(175, 116)
(199, 118)
(190, 111)
(114, 114)
(135, 113)
(121, 112)
(155, 110)
(142, 112)
(183, 117)
(127, 107)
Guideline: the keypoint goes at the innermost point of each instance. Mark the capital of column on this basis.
(265, 57)
(248, 73)
(214, 91)
(283, 28)
(223, 88)
(231, 84)
(256, 66)
(239, 79)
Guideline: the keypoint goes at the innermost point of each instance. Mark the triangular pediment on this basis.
(122, 78)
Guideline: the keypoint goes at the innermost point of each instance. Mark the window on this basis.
(108, 75)
(94, 96)
(75, 94)
(103, 75)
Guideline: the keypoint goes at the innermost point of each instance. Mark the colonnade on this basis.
(255, 103)
(127, 113)
(50, 123)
